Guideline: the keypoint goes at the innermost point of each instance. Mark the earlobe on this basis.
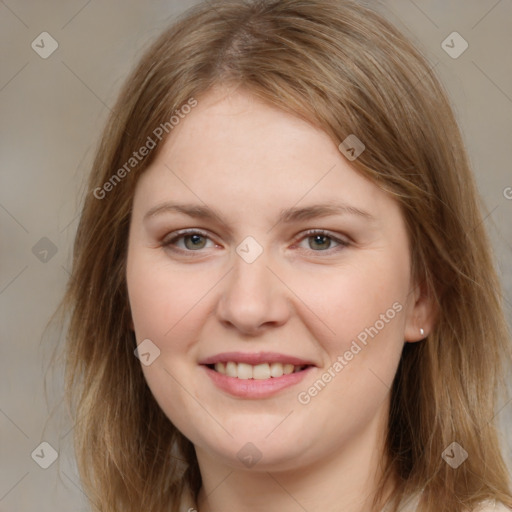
(421, 316)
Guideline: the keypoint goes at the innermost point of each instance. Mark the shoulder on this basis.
(485, 506)
(491, 506)
(187, 502)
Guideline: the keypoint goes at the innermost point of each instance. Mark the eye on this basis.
(193, 240)
(320, 240)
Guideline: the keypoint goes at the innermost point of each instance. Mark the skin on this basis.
(305, 296)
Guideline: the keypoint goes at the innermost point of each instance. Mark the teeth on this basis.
(244, 371)
(221, 368)
(276, 369)
(259, 372)
(288, 368)
(231, 369)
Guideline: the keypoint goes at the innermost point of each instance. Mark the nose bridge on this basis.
(251, 276)
(252, 295)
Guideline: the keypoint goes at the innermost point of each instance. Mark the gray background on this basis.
(51, 114)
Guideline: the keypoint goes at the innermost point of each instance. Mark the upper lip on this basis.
(256, 358)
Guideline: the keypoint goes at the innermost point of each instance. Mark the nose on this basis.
(253, 297)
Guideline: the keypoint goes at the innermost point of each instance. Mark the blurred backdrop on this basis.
(62, 64)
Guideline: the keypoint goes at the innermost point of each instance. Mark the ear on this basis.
(421, 313)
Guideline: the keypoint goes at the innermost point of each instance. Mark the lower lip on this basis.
(255, 388)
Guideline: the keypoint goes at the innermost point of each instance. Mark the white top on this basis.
(188, 505)
(486, 506)
(493, 506)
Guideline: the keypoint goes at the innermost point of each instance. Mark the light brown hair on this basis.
(344, 68)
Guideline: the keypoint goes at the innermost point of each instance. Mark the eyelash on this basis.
(168, 243)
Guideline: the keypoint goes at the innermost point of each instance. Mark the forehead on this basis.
(234, 149)
(233, 128)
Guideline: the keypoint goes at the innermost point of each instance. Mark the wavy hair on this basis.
(344, 68)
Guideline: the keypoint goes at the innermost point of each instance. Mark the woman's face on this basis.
(221, 267)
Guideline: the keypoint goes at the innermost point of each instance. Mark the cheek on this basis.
(355, 299)
(161, 302)
(365, 307)
(160, 297)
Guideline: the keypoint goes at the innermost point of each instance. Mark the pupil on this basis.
(321, 237)
(196, 240)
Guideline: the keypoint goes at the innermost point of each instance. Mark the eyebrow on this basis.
(287, 216)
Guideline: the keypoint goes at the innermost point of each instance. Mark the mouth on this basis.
(255, 381)
(262, 371)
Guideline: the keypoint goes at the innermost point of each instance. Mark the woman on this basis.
(282, 294)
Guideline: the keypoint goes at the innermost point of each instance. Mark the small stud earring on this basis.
(422, 332)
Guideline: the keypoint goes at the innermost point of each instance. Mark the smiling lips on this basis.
(258, 372)
(255, 375)
(259, 366)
